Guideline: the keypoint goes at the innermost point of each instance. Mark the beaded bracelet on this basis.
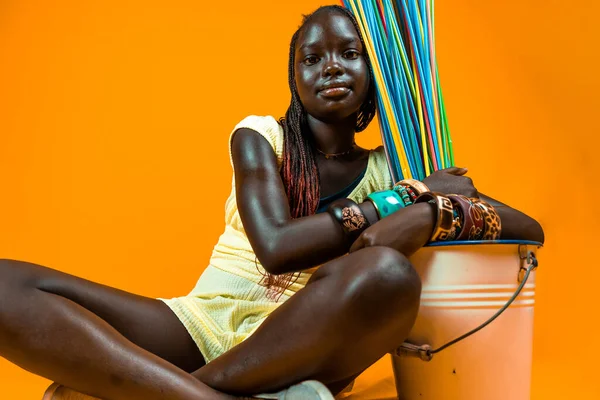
(386, 202)
(411, 193)
(403, 192)
(493, 226)
(350, 217)
(417, 186)
(444, 221)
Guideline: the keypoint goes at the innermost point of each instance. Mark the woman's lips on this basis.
(334, 92)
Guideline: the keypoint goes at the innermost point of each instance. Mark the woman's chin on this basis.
(335, 116)
(335, 111)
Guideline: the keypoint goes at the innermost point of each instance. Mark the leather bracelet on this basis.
(418, 186)
(493, 225)
(474, 219)
(350, 217)
(463, 205)
(445, 216)
(386, 202)
(457, 223)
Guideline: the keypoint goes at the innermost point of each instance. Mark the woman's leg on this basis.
(95, 339)
(353, 311)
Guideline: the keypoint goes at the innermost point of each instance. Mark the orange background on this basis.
(115, 115)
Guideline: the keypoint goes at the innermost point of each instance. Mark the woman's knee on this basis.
(12, 295)
(17, 274)
(18, 281)
(10, 274)
(384, 282)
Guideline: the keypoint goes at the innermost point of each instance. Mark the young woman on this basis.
(290, 294)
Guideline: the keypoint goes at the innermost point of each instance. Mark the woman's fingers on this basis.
(456, 171)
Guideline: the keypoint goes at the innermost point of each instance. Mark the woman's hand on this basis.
(407, 230)
(451, 181)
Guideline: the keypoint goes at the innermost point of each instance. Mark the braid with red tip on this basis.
(299, 170)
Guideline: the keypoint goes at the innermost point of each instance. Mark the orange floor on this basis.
(551, 380)
(375, 383)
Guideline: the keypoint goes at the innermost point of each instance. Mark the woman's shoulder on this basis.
(259, 123)
(268, 127)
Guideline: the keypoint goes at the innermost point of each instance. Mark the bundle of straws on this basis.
(399, 35)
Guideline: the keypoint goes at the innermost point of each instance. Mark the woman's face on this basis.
(332, 76)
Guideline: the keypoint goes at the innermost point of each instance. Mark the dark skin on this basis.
(354, 309)
(313, 240)
(284, 244)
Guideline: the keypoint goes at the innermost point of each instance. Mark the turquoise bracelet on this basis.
(403, 192)
(386, 202)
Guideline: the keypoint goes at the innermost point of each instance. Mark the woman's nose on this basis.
(333, 68)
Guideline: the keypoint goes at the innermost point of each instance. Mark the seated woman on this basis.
(293, 291)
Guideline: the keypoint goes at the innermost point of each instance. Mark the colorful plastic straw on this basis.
(399, 35)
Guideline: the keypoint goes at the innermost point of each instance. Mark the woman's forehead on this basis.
(332, 27)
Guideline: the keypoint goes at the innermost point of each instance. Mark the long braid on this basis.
(299, 170)
(299, 164)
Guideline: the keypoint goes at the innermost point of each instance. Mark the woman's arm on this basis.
(281, 243)
(515, 224)
(406, 230)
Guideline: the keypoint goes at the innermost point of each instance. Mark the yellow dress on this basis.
(227, 304)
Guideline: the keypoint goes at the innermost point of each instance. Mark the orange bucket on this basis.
(464, 285)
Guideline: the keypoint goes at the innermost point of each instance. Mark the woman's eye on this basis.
(310, 60)
(351, 54)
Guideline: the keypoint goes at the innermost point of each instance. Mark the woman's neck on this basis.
(332, 138)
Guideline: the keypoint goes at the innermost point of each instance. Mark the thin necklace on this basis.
(336, 155)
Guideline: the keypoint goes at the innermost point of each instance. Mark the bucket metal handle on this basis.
(425, 353)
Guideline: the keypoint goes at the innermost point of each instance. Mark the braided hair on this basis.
(299, 167)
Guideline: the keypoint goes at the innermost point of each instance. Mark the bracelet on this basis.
(457, 223)
(473, 218)
(470, 229)
(403, 192)
(418, 186)
(411, 193)
(350, 217)
(445, 217)
(493, 226)
(478, 220)
(386, 202)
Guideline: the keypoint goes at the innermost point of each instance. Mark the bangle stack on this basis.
(458, 217)
(463, 218)
(403, 194)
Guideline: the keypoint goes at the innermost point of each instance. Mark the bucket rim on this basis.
(480, 242)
